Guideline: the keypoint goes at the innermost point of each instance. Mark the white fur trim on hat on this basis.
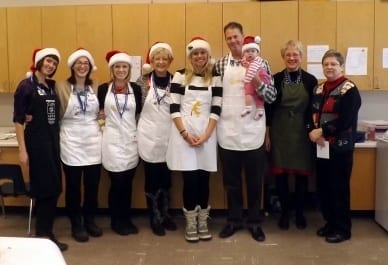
(251, 42)
(197, 44)
(45, 52)
(81, 53)
(159, 45)
(120, 57)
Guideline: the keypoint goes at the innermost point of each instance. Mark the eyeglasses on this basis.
(78, 64)
(325, 65)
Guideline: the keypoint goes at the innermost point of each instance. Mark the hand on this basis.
(28, 118)
(321, 141)
(315, 135)
(201, 139)
(256, 81)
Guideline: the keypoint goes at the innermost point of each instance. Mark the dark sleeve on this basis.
(138, 96)
(22, 101)
(269, 108)
(349, 104)
(309, 83)
(101, 94)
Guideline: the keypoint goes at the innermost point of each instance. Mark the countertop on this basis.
(11, 141)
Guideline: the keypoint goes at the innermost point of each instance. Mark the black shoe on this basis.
(337, 238)
(79, 234)
(93, 229)
(60, 245)
(169, 224)
(284, 222)
(324, 231)
(229, 230)
(300, 221)
(157, 228)
(120, 228)
(132, 228)
(257, 233)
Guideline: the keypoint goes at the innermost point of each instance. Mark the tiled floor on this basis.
(368, 246)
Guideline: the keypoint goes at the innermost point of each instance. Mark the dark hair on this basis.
(40, 63)
(88, 80)
(336, 54)
(234, 25)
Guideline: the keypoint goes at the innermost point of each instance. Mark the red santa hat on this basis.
(157, 45)
(251, 42)
(197, 43)
(39, 54)
(81, 52)
(116, 56)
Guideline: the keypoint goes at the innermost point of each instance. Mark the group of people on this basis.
(175, 122)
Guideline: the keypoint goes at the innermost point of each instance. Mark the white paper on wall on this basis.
(356, 61)
(316, 52)
(136, 68)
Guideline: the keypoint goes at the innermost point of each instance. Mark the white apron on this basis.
(119, 144)
(154, 127)
(195, 113)
(80, 134)
(233, 131)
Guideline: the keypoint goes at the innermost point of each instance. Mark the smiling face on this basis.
(47, 66)
(332, 68)
(160, 62)
(81, 67)
(234, 39)
(199, 58)
(121, 71)
(292, 59)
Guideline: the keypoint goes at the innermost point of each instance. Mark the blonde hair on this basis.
(162, 51)
(127, 78)
(292, 44)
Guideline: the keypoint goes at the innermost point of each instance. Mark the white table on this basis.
(29, 251)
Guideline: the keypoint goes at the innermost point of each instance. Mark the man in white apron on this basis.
(241, 139)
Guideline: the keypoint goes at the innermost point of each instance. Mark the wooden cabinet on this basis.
(317, 25)
(363, 179)
(381, 41)
(279, 23)
(355, 28)
(3, 52)
(24, 36)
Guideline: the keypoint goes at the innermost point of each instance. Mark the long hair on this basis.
(207, 72)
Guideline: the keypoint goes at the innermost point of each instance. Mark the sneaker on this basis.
(246, 111)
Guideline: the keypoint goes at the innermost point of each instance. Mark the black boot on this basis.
(167, 221)
(301, 184)
(91, 226)
(78, 231)
(282, 187)
(155, 217)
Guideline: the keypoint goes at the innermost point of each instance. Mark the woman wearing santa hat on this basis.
(196, 95)
(120, 103)
(153, 134)
(80, 142)
(36, 115)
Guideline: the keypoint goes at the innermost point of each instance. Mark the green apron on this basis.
(290, 144)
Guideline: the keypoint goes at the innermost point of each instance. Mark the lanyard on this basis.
(83, 103)
(122, 110)
(41, 91)
(159, 97)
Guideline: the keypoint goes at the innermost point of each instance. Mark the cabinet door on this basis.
(199, 17)
(279, 23)
(4, 87)
(363, 179)
(317, 25)
(381, 41)
(355, 28)
(94, 33)
(59, 31)
(248, 16)
(24, 36)
(167, 23)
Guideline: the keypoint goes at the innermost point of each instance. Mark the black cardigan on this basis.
(309, 82)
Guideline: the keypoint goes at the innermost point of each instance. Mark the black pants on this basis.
(195, 189)
(157, 177)
(253, 164)
(120, 194)
(301, 183)
(45, 211)
(91, 179)
(333, 185)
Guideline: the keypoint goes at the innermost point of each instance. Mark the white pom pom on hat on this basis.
(197, 43)
(251, 42)
(81, 52)
(115, 56)
(39, 54)
(157, 45)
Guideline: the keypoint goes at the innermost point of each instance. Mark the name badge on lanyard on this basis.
(50, 103)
